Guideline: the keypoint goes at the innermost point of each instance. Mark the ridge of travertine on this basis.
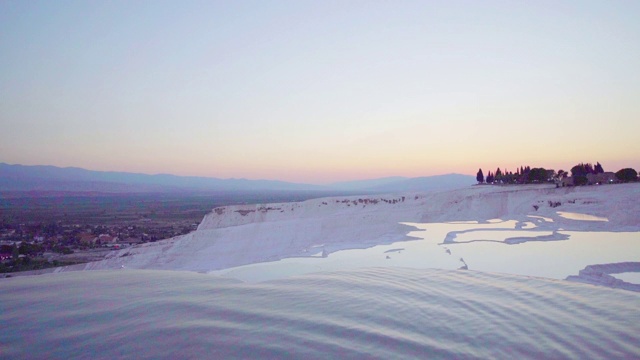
(244, 234)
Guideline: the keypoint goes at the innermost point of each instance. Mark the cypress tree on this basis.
(480, 176)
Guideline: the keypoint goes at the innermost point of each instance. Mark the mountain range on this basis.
(44, 178)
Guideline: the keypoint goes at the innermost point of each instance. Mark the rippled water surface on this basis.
(377, 313)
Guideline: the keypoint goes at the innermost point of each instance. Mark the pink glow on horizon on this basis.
(320, 177)
(319, 92)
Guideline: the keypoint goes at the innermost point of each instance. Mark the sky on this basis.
(319, 91)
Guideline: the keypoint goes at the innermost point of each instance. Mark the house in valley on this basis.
(602, 178)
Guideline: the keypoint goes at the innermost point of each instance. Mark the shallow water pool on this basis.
(499, 246)
(630, 277)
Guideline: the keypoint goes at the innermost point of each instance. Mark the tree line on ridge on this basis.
(539, 175)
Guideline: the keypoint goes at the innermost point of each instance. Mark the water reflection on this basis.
(581, 217)
(502, 246)
(630, 277)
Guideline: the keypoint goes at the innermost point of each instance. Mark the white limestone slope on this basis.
(244, 234)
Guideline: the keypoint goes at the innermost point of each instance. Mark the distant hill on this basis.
(366, 184)
(40, 178)
(437, 182)
(404, 184)
(51, 178)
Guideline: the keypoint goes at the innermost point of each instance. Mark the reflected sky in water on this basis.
(501, 246)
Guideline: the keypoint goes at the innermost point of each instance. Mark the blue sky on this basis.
(319, 91)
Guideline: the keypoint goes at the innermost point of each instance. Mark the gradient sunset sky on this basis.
(319, 91)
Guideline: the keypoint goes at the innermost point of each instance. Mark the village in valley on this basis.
(42, 232)
(35, 246)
